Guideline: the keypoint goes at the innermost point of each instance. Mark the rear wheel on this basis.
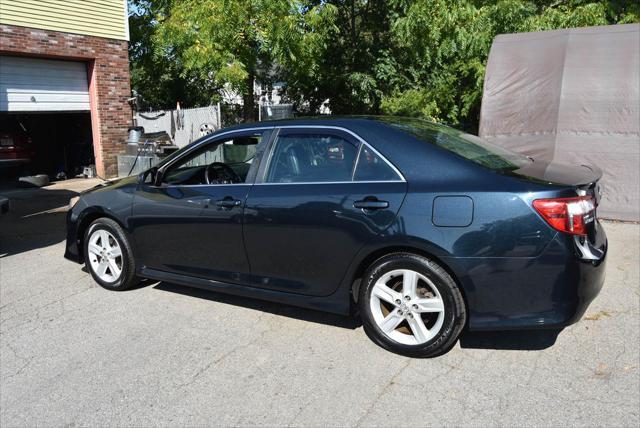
(108, 255)
(411, 306)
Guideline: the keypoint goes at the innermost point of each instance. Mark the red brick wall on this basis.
(108, 69)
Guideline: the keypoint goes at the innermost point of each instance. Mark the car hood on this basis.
(113, 184)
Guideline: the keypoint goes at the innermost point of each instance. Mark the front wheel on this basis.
(108, 255)
(411, 306)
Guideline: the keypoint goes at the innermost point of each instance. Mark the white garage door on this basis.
(37, 85)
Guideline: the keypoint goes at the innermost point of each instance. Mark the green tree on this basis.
(443, 48)
(233, 43)
(423, 58)
(161, 80)
(352, 64)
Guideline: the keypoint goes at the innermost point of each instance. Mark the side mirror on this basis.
(149, 176)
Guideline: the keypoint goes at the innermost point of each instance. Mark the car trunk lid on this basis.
(559, 173)
(584, 178)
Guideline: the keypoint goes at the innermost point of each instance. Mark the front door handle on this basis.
(228, 202)
(371, 203)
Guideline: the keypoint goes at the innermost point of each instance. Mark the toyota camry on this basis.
(419, 229)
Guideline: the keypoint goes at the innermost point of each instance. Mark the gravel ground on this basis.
(73, 354)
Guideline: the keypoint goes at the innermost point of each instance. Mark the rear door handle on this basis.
(228, 202)
(371, 204)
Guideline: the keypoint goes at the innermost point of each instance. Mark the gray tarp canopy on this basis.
(571, 96)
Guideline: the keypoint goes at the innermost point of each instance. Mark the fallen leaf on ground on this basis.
(597, 316)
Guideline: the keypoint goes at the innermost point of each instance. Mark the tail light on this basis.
(569, 215)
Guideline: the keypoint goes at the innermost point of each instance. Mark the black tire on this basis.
(455, 314)
(127, 278)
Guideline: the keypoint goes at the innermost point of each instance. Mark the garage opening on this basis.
(56, 144)
(45, 121)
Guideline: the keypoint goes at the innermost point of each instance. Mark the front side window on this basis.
(221, 162)
(311, 158)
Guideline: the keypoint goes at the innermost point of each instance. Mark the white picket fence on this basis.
(183, 127)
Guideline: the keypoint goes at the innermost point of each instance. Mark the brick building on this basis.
(64, 70)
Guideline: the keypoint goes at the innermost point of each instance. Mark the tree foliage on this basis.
(445, 45)
(423, 58)
(230, 44)
(161, 79)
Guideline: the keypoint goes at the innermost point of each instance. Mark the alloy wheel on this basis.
(407, 307)
(105, 255)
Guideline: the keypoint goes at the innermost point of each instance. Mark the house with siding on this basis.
(64, 77)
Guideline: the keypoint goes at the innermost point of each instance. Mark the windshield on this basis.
(468, 146)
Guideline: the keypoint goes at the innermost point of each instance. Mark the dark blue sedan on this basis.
(425, 230)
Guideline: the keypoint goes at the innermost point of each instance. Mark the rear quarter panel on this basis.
(500, 257)
(496, 259)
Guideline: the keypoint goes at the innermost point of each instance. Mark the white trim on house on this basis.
(126, 20)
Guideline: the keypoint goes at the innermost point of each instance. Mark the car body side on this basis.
(514, 270)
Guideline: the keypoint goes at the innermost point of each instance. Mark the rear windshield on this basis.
(468, 146)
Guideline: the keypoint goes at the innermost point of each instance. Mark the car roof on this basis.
(414, 158)
(325, 120)
(403, 150)
(345, 121)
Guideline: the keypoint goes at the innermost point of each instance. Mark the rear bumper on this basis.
(587, 279)
(552, 290)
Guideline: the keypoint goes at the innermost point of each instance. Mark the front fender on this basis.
(114, 201)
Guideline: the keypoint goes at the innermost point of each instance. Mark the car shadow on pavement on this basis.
(523, 340)
(348, 322)
(503, 340)
(35, 220)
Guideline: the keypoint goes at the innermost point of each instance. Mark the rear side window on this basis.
(372, 167)
(468, 146)
(311, 158)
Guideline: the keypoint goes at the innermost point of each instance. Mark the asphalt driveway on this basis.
(73, 354)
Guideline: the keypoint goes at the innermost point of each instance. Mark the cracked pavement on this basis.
(72, 353)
